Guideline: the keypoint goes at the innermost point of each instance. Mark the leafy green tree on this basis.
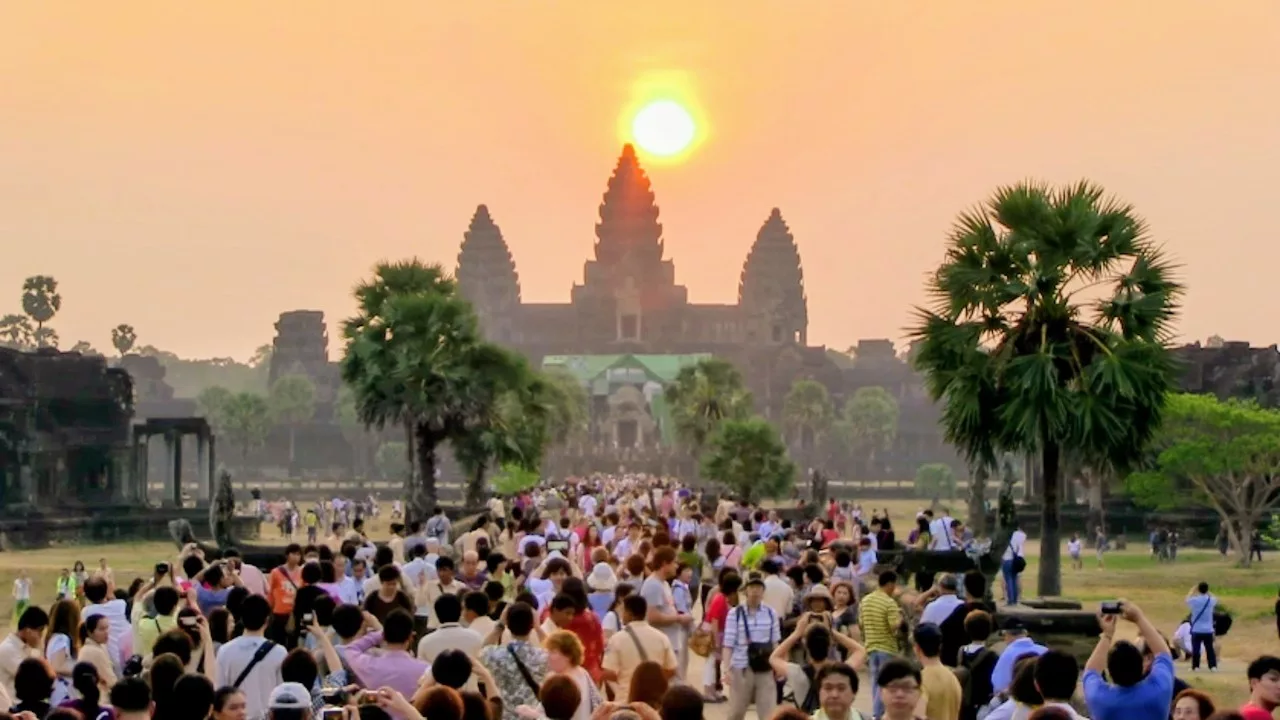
(392, 459)
(513, 480)
(935, 481)
(45, 337)
(261, 357)
(410, 359)
(212, 403)
(1049, 335)
(569, 406)
(359, 437)
(749, 459)
(807, 414)
(1221, 455)
(292, 401)
(41, 301)
(703, 396)
(244, 422)
(123, 338)
(872, 417)
(84, 348)
(16, 332)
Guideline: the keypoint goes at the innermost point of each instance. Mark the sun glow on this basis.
(663, 128)
(663, 118)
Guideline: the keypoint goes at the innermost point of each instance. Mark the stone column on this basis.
(171, 456)
(177, 469)
(213, 465)
(204, 474)
(142, 481)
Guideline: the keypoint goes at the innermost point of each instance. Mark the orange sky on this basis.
(194, 169)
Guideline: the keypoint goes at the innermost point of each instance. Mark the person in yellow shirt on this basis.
(940, 690)
(147, 626)
(879, 617)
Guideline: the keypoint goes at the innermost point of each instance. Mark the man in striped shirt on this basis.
(750, 623)
(879, 618)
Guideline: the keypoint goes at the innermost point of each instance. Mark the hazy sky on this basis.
(196, 168)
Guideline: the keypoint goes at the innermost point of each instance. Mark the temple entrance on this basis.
(628, 433)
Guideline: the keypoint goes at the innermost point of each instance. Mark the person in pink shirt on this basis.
(251, 577)
(1264, 688)
(394, 665)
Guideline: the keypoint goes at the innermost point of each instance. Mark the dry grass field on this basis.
(1159, 588)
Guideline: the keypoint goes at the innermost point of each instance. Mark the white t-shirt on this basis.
(119, 630)
(1017, 544)
(235, 656)
(22, 589)
(1073, 548)
(587, 504)
(940, 532)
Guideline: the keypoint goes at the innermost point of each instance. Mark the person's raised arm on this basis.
(1098, 658)
(778, 659)
(1150, 635)
(209, 662)
(857, 653)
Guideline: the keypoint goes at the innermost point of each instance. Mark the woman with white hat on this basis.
(601, 584)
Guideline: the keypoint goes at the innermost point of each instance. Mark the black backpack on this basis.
(970, 685)
(809, 703)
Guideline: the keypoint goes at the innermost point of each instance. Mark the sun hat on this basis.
(602, 578)
(820, 592)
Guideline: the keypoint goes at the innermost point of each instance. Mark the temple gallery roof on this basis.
(591, 368)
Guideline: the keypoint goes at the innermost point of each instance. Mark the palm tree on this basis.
(41, 301)
(704, 395)
(123, 338)
(1049, 334)
(807, 413)
(408, 361)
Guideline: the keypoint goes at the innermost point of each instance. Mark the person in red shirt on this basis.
(720, 603)
(584, 624)
(1264, 688)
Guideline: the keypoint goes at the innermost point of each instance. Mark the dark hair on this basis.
(928, 638)
(173, 642)
(730, 583)
(131, 695)
(975, 585)
(829, 669)
(192, 696)
(398, 627)
(311, 573)
(1023, 687)
(192, 565)
(1203, 587)
(33, 618)
(817, 642)
(1056, 673)
(474, 706)
(165, 600)
(388, 573)
(576, 589)
(843, 558)
(451, 668)
(164, 674)
(292, 549)
(222, 695)
(477, 602)
(896, 669)
(85, 679)
(814, 574)
(1124, 664)
(1261, 666)
(681, 702)
(448, 608)
(445, 563)
(769, 566)
(635, 606)
(520, 618)
(648, 684)
(299, 666)
(888, 577)
(688, 542)
(254, 612)
(563, 602)
(347, 620)
(560, 697)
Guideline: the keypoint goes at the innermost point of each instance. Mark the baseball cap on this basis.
(289, 696)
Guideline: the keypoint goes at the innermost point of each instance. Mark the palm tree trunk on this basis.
(424, 498)
(977, 499)
(476, 487)
(1050, 580)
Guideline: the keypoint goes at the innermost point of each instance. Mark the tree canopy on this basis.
(749, 459)
(703, 396)
(1220, 455)
(1048, 333)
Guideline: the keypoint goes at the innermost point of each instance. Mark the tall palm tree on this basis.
(704, 395)
(409, 361)
(1049, 333)
(41, 299)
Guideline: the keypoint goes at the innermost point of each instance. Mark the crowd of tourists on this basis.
(588, 601)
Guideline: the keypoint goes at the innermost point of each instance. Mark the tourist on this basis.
(251, 578)
(899, 684)
(229, 704)
(941, 689)
(1017, 644)
(879, 618)
(779, 594)
(444, 584)
(1192, 705)
(637, 642)
(450, 633)
(1022, 695)
(818, 641)
(61, 646)
(282, 587)
(33, 684)
(251, 662)
(102, 601)
(837, 688)
(510, 663)
(389, 597)
(1264, 688)
(88, 686)
(288, 701)
(93, 649)
(21, 593)
(438, 527)
(66, 588)
(1130, 695)
(940, 600)
(154, 613)
(23, 643)
(1202, 604)
(393, 665)
(660, 599)
(1073, 552)
(564, 657)
(131, 699)
(749, 630)
(476, 609)
(1012, 564)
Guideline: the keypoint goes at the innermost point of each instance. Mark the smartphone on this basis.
(562, 546)
(1112, 607)
(188, 621)
(333, 713)
(308, 618)
(162, 568)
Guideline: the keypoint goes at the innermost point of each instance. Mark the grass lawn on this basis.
(1133, 575)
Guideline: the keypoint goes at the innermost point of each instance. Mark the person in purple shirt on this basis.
(212, 585)
(395, 666)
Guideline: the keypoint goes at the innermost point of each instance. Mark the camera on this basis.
(308, 618)
(1112, 607)
(162, 568)
(561, 546)
(333, 713)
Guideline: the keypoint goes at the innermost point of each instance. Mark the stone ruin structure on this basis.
(1235, 369)
(301, 347)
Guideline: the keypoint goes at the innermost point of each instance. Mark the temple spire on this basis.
(629, 224)
(771, 289)
(487, 275)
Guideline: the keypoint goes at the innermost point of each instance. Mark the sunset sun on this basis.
(663, 128)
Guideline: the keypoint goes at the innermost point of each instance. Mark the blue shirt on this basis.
(209, 599)
(1002, 673)
(1148, 700)
(1202, 605)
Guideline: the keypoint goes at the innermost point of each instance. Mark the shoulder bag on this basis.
(644, 656)
(263, 650)
(524, 672)
(757, 652)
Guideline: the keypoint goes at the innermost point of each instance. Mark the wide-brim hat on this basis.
(820, 592)
(602, 578)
